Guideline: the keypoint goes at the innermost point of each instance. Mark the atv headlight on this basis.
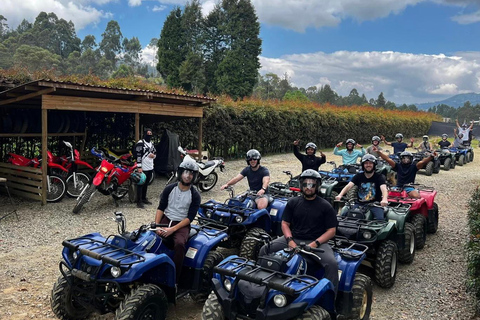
(116, 272)
(323, 190)
(227, 284)
(209, 214)
(239, 219)
(367, 235)
(280, 300)
(75, 255)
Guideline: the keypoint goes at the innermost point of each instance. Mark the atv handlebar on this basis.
(223, 209)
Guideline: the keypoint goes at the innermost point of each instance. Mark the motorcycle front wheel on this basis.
(207, 183)
(55, 188)
(84, 198)
(122, 190)
(75, 189)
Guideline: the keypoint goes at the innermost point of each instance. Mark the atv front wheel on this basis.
(407, 254)
(212, 309)
(362, 298)
(386, 264)
(418, 222)
(429, 169)
(213, 259)
(251, 243)
(461, 160)
(314, 313)
(63, 302)
(468, 157)
(447, 164)
(208, 182)
(147, 301)
(454, 163)
(433, 223)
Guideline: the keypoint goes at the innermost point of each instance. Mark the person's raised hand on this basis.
(412, 140)
(296, 142)
(339, 144)
(359, 146)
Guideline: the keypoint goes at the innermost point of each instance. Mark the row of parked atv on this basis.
(446, 159)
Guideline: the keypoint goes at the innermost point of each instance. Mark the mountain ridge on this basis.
(455, 101)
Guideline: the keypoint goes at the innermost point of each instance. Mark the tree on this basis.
(192, 73)
(132, 50)
(123, 71)
(214, 47)
(171, 48)
(89, 42)
(381, 101)
(192, 25)
(24, 26)
(327, 95)
(35, 58)
(3, 27)
(295, 95)
(111, 44)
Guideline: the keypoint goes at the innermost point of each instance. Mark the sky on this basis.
(413, 51)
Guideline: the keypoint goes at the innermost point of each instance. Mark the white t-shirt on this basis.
(147, 162)
(465, 133)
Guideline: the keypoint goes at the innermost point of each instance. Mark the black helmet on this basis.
(406, 154)
(253, 154)
(399, 135)
(187, 165)
(310, 174)
(311, 145)
(350, 141)
(376, 138)
(371, 158)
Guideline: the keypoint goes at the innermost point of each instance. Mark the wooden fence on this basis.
(23, 181)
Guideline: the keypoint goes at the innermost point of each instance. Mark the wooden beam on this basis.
(58, 102)
(31, 135)
(28, 96)
(200, 133)
(44, 155)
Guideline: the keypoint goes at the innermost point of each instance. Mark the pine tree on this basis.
(111, 44)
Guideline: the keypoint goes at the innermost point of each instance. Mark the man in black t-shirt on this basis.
(258, 178)
(309, 160)
(444, 143)
(371, 187)
(398, 146)
(309, 219)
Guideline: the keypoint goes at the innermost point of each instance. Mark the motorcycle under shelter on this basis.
(44, 103)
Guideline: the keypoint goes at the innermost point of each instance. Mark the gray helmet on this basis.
(376, 138)
(406, 154)
(371, 158)
(399, 135)
(253, 154)
(311, 145)
(310, 174)
(190, 166)
(350, 141)
(445, 135)
(425, 137)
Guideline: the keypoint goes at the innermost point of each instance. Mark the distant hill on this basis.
(455, 101)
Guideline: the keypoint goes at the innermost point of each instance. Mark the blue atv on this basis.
(342, 175)
(245, 224)
(132, 273)
(289, 284)
(463, 155)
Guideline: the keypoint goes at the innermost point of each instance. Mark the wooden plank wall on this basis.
(23, 181)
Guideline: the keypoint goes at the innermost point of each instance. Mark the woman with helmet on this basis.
(375, 142)
(371, 187)
(179, 203)
(398, 146)
(258, 178)
(407, 170)
(349, 155)
(425, 145)
(309, 160)
(444, 143)
(309, 219)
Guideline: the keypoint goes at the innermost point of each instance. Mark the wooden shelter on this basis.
(57, 95)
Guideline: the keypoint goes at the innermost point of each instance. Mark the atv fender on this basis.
(260, 219)
(323, 294)
(389, 232)
(347, 268)
(198, 247)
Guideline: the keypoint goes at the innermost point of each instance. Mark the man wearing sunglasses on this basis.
(311, 220)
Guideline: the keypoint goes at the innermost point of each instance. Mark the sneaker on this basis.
(146, 201)
(140, 205)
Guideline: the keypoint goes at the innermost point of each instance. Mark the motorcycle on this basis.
(56, 186)
(125, 154)
(207, 177)
(112, 178)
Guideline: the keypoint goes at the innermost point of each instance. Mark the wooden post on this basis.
(200, 133)
(137, 127)
(44, 155)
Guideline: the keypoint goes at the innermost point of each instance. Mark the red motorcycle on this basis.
(112, 178)
(56, 187)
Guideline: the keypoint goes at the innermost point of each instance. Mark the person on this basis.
(375, 142)
(444, 143)
(465, 130)
(311, 220)
(458, 142)
(425, 145)
(145, 153)
(179, 203)
(371, 187)
(258, 178)
(309, 160)
(399, 146)
(349, 155)
(407, 170)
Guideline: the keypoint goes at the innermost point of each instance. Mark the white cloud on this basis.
(158, 8)
(467, 18)
(134, 3)
(80, 13)
(402, 77)
(149, 55)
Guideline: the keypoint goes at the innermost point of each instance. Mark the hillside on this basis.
(455, 101)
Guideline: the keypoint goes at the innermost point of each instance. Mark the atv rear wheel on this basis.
(213, 258)
(208, 182)
(212, 309)
(147, 301)
(468, 157)
(429, 168)
(386, 264)
(454, 163)
(471, 156)
(63, 302)
(433, 223)
(251, 243)
(407, 254)
(314, 313)
(84, 198)
(447, 164)
(362, 298)
(419, 222)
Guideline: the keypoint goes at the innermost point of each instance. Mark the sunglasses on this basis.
(309, 185)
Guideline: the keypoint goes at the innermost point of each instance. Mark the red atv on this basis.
(423, 211)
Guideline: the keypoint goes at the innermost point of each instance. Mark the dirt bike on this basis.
(207, 177)
(125, 154)
(112, 178)
(56, 187)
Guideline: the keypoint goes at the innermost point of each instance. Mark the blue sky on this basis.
(411, 50)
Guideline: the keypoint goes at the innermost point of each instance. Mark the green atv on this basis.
(389, 241)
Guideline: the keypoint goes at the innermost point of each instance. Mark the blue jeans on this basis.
(378, 213)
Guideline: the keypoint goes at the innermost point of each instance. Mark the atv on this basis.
(463, 154)
(432, 166)
(342, 175)
(132, 274)
(446, 158)
(289, 284)
(388, 241)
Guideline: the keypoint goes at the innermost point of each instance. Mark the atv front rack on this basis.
(348, 249)
(360, 226)
(243, 269)
(244, 212)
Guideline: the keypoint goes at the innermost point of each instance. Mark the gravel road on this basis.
(432, 287)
